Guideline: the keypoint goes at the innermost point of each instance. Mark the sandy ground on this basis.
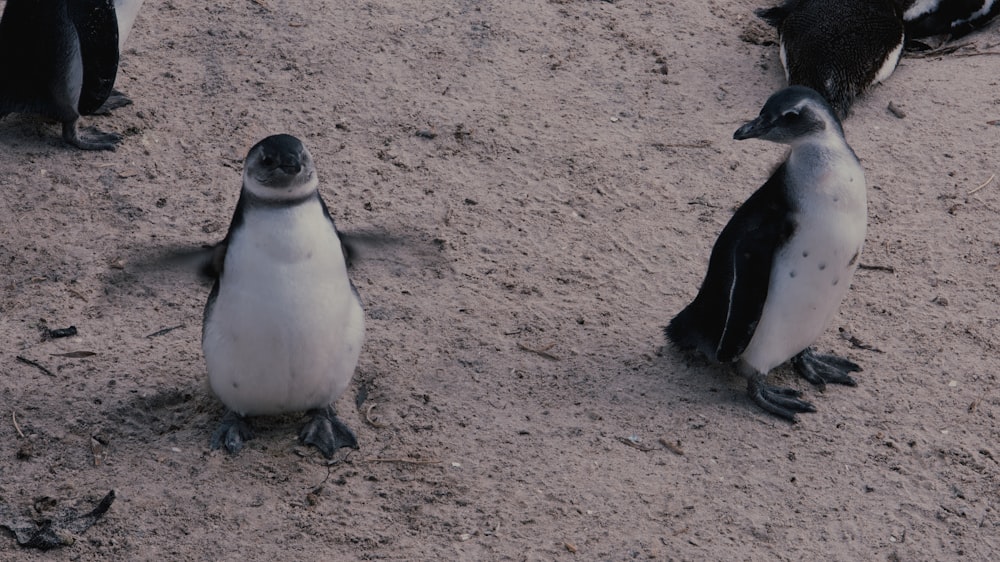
(518, 394)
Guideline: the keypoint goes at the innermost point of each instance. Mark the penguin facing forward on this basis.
(59, 58)
(283, 325)
(837, 48)
(783, 263)
(925, 18)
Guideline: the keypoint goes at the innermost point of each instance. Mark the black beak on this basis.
(752, 129)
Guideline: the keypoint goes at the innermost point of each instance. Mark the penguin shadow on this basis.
(165, 415)
(699, 382)
(185, 418)
(715, 387)
(31, 133)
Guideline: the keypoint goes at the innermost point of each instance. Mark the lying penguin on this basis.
(785, 260)
(837, 48)
(59, 58)
(283, 325)
(955, 18)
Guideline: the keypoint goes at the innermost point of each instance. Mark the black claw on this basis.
(782, 402)
(232, 432)
(327, 433)
(821, 369)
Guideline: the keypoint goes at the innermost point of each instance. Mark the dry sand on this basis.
(519, 397)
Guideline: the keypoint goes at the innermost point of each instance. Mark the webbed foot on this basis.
(96, 141)
(782, 402)
(327, 433)
(821, 369)
(232, 432)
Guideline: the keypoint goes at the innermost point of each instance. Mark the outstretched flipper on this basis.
(327, 433)
(782, 402)
(820, 369)
(232, 432)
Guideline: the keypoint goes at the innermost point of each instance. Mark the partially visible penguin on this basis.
(59, 58)
(283, 325)
(925, 18)
(783, 263)
(838, 48)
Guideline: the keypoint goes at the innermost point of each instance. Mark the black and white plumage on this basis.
(838, 48)
(783, 263)
(926, 18)
(59, 58)
(283, 326)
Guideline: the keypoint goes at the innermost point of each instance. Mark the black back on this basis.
(836, 47)
(97, 27)
(721, 320)
(949, 17)
(37, 38)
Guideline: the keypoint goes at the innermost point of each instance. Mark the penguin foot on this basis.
(327, 433)
(114, 101)
(232, 432)
(782, 402)
(98, 140)
(821, 369)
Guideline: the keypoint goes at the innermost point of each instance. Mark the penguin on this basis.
(784, 261)
(59, 58)
(926, 18)
(283, 325)
(837, 48)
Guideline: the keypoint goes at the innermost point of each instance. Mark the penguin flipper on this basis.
(776, 16)
(820, 369)
(327, 433)
(97, 28)
(721, 320)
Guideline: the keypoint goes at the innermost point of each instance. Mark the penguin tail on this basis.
(773, 16)
(681, 331)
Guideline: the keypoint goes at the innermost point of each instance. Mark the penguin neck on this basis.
(825, 146)
(827, 174)
(255, 201)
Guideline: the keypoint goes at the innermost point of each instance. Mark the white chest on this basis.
(811, 274)
(285, 331)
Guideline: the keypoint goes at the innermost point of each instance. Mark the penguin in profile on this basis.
(283, 325)
(783, 263)
(838, 48)
(955, 18)
(59, 58)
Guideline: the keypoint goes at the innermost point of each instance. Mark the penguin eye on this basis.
(789, 116)
(267, 161)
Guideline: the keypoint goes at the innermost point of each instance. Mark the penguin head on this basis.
(790, 115)
(279, 168)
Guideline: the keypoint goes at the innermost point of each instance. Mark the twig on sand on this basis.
(13, 417)
(982, 185)
(404, 461)
(635, 444)
(34, 364)
(544, 352)
(372, 422)
(164, 331)
(672, 447)
(885, 268)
